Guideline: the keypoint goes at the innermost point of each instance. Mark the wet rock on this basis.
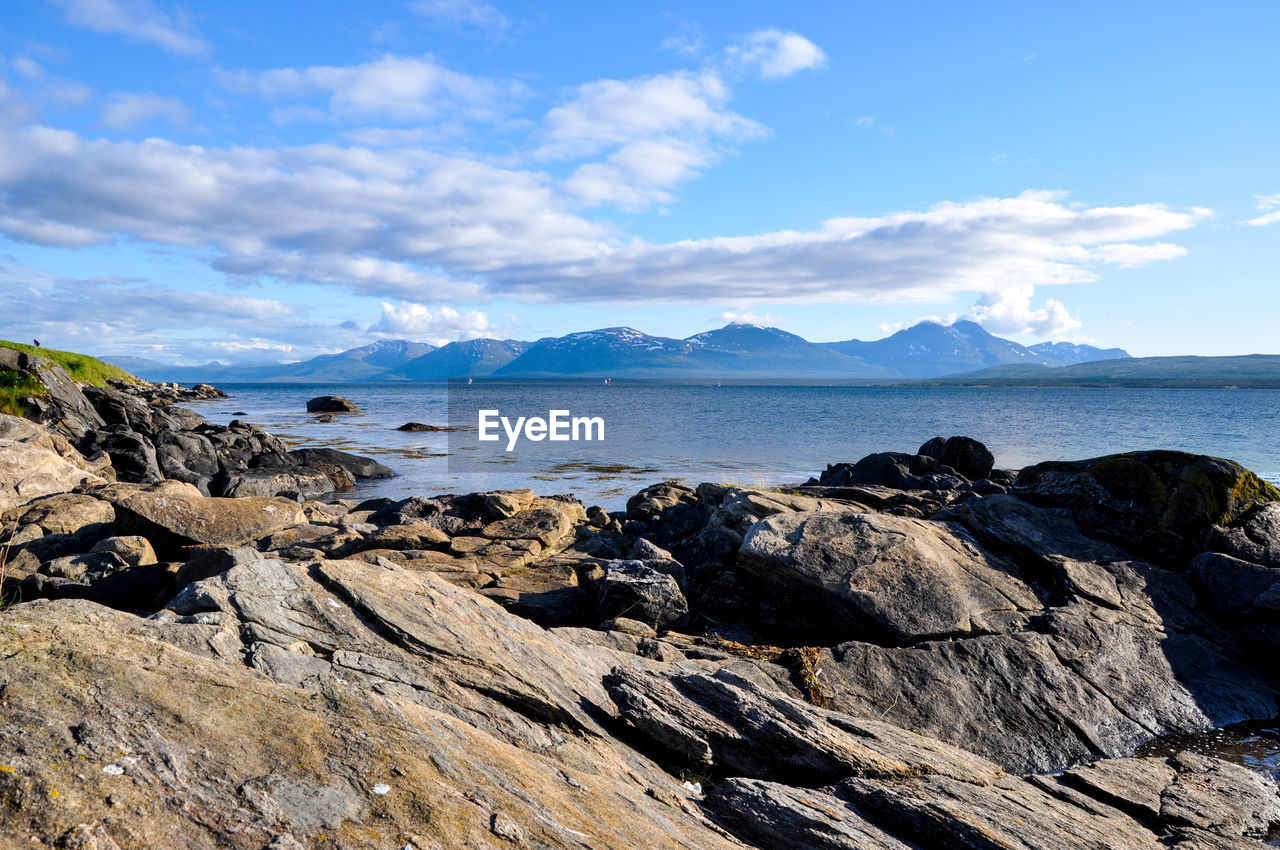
(902, 579)
(894, 470)
(1158, 504)
(132, 455)
(637, 591)
(331, 404)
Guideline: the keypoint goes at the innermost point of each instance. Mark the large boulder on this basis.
(965, 455)
(891, 578)
(28, 471)
(637, 590)
(1157, 504)
(331, 404)
(306, 482)
(173, 515)
(132, 455)
(354, 465)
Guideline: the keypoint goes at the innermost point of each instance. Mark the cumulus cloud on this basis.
(436, 326)
(458, 13)
(127, 110)
(398, 89)
(136, 19)
(1009, 311)
(1270, 206)
(658, 131)
(774, 54)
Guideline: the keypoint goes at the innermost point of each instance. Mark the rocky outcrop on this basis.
(61, 406)
(1159, 505)
(849, 665)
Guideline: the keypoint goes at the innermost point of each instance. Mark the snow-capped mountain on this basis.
(926, 350)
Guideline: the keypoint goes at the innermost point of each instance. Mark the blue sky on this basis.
(263, 181)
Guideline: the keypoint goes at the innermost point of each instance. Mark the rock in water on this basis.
(354, 465)
(331, 404)
(1158, 504)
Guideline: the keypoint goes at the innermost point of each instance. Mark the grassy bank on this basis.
(81, 367)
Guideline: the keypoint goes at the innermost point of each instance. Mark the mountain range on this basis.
(925, 350)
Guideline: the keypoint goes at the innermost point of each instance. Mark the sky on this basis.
(248, 181)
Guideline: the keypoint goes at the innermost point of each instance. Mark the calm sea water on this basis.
(759, 435)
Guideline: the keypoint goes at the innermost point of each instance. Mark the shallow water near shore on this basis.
(1254, 744)
(752, 435)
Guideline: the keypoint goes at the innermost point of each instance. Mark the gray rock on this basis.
(632, 589)
(133, 550)
(781, 817)
(1256, 538)
(354, 465)
(894, 578)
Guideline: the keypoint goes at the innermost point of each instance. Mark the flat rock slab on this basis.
(546, 525)
(898, 578)
(173, 515)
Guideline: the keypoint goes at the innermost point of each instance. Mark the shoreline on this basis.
(914, 629)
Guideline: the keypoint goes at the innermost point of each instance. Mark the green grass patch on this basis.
(81, 367)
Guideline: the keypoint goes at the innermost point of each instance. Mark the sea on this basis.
(744, 433)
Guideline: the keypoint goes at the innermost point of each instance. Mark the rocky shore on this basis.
(203, 644)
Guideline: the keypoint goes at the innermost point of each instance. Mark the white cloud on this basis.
(420, 323)
(659, 131)
(127, 110)
(1266, 203)
(398, 89)
(475, 13)
(607, 113)
(729, 317)
(774, 54)
(136, 19)
(1009, 312)
(1127, 255)
(429, 228)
